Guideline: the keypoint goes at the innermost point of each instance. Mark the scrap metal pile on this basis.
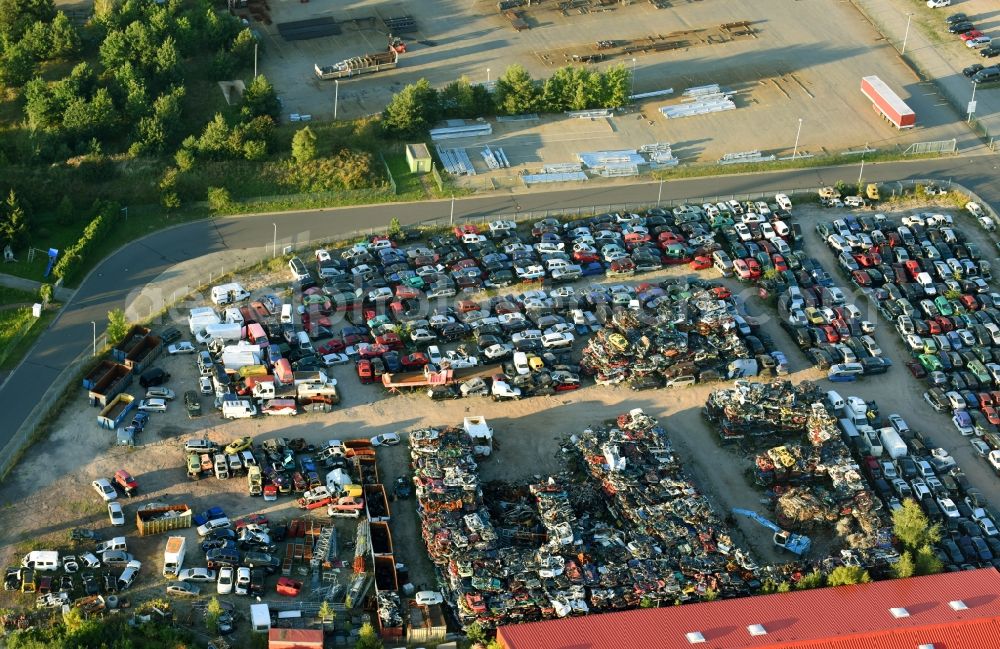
(622, 529)
(813, 482)
(677, 329)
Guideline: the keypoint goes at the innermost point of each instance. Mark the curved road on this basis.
(141, 262)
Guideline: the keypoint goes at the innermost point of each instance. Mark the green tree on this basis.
(912, 527)
(16, 64)
(367, 638)
(117, 326)
(926, 561)
(16, 16)
(617, 82)
(555, 92)
(304, 145)
(64, 37)
(242, 48)
(36, 38)
(395, 230)
(710, 595)
(516, 92)
(412, 110)
(45, 293)
(475, 633)
(219, 200)
(184, 159)
(494, 644)
(169, 197)
(326, 614)
(213, 611)
(846, 575)
(904, 567)
(260, 99)
(458, 100)
(168, 60)
(15, 223)
(784, 587)
(810, 580)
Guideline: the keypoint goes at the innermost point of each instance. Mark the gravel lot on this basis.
(50, 492)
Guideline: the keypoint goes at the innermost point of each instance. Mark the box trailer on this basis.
(887, 103)
(376, 503)
(143, 353)
(381, 538)
(131, 339)
(157, 520)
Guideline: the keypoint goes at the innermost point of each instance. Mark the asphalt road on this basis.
(142, 261)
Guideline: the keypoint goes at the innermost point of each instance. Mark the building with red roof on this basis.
(959, 610)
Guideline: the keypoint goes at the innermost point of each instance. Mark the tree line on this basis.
(415, 108)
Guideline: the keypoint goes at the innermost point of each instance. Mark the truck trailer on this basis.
(887, 103)
(358, 65)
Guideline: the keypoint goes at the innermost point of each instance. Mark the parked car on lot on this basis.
(387, 439)
(153, 405)
(196, 574)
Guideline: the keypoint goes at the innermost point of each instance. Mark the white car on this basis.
(558, 339)
(323, 255)
(987, 223)
(196, 574)
(494, 352)
(783, 201)
(434, 355)
(428, 598)
(105, 489)
(978, 42)
(205, 385)
(225, 584)
(981, 448)
(183, 347)
(160, 393)
(947, 505)
(242, 586)
(153, 405)
(116, 513)
(335, 359)
(458, 362)
(975, 209)
(388, 439)
(937, 4)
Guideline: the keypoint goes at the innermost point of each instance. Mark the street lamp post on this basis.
(336, 96)
(95, 336)
(274, 242)
(487, 77)
(795, 151)
(633, 75)
(972, 104)
(861, 173)
(451, 218)
(907, 34)
(659, 194)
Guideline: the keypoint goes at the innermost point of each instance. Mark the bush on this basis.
(219, 200)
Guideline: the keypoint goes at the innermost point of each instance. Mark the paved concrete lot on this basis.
(806, 62)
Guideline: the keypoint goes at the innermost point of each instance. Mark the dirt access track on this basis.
(805, 61)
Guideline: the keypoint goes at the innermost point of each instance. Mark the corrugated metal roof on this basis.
(295, 638)
(845, 617)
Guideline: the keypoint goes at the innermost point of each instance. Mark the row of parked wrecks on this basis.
(675, 334)
(622, 527)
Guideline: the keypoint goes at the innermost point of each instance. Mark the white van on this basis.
(238, 409)
(835, 400)
(229, 293)
(224, 331)
(926, 283)
(302, 339)
(286, 314)
(299, 270)
(41, 560)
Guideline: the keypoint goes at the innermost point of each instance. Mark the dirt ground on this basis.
(49, 492)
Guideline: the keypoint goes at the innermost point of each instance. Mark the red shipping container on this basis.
(887, 103)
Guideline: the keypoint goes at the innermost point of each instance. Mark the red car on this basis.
(968, 36)
(913, 268)
(289, 587)
(945, 324)
(464, 306)
(779, 263)
(669, 237)
(414, 361)
(742, 268)
(861, 278)
(125, 480)
(391, 340)
(933, 327)
(364, 370)
(700, 263)
(992, 415)
(754, 267)
(831, 334)
(969, 302)
(333, 346)
(371, 351)
(406, 293)
(462, 230)
(916, 369)
(985, 399)
(584, 257)
(720, 293)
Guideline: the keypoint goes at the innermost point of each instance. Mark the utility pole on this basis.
(336, 97)
(659, 194)
(274, 242)
(255, 60)
(795, 151)
(451, 219)
(907, 34)
(95, 336)
(972, 104)
(633, 75)
(860, 173)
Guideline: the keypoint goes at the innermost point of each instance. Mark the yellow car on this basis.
(815, 316)
(238, 445)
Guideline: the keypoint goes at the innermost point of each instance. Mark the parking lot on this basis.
(50, 492)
